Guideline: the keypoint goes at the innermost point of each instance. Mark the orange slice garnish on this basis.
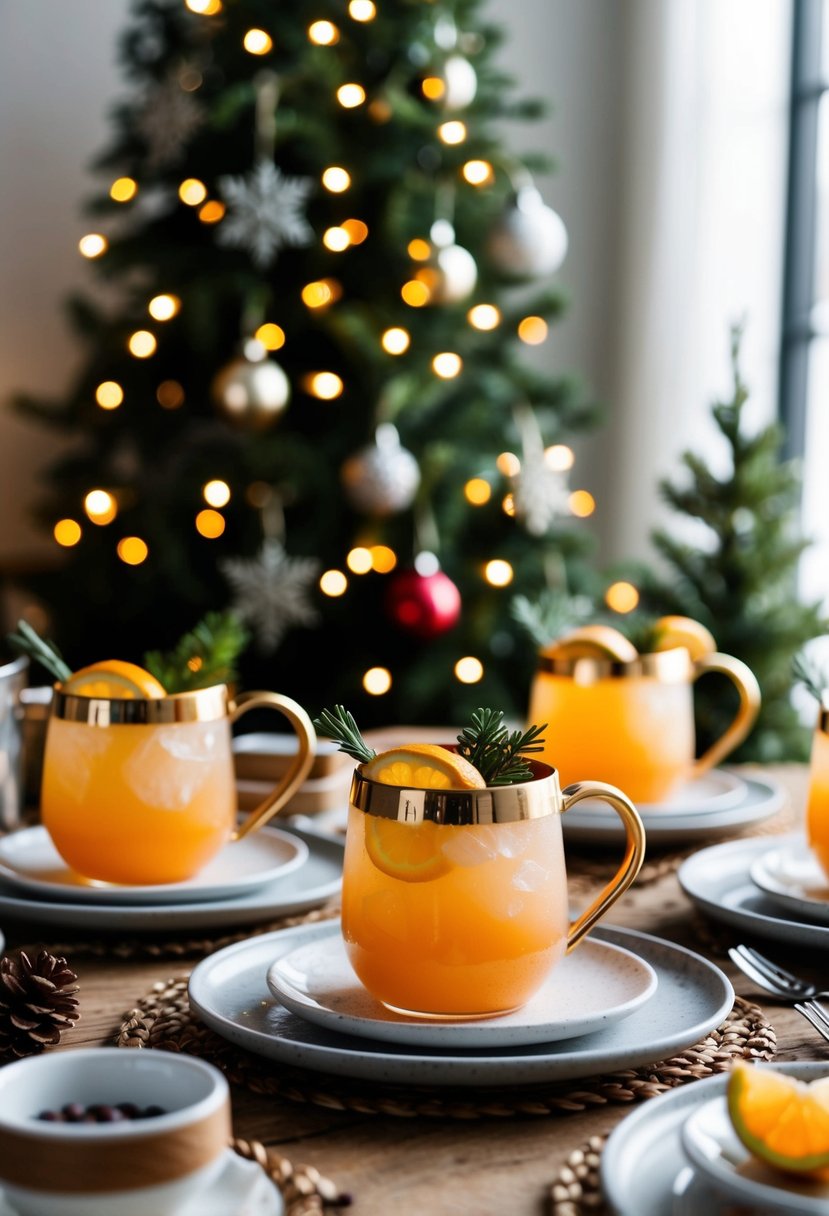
(674, 631)
(424, 766)
(114, 678)
(781, 1120)
(593, 642)
(408, 851)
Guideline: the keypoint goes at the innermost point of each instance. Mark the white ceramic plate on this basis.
(644, 1169)
(596, 985)
(317, 880)
(792, 877)
(595, 823)
(717, 1154)
(30, 862)
(229, 992)
(716, 790)
(718, 881)
(241, 1189)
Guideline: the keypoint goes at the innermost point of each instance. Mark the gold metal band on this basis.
(669, 666)
(203, 705)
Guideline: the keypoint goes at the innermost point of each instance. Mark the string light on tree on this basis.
(67, 533)
(477, 491)
(93, 245)
(359, 560)
(257, 42)
(271, 336)
(478, 173)
(123, 189)
(498, 572)
(216, 493)
(559, 457)
(484, 317)
(212, 211)
(336, 179)
(336, 239)
(447, 365)
(621, 597)
(356, 230)
(362, 10)
(142, 344)
(383, 559)
(164, 307)
(210, 524)
(582, 503)
(192, 192)
(327, 386)
(377, 681)
(351, 95)
(396, 341)
(109, 395)
(132, 550)
(100, 506)
(321, 293)
(323, 33)
(533, 330)
(333, 583)
(469, 670)
(452, 132)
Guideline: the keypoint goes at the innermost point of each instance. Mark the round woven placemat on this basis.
(163, 1020)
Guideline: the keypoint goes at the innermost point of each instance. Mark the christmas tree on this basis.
(741, 579)
(306, 393)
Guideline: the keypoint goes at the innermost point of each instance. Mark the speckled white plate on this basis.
(717, 1154)
(718, 880)
(644, 1168)
(229, 992)
(792, 877)
(596, 985)
(30, 861)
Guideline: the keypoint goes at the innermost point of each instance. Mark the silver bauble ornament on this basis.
(450, 272)
(251, 394)
(460, 82)
(382, 478)
(529, 239)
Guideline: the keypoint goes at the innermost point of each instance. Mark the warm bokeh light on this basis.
(621, 597)
(325, 385)
(383, 559)
(415, 293)
(163, 308)
(452, 132)
(477, 491)
(359, 560)
(498, 573)
(533, 330)
(396, 341)
(169, 395)
(336, 179)
(447, 365)
(192, 191)
(582, 503)
(271, 336)
(484, 317)
(123, 189)
(508, 505)
(109, 395)
(212, 212)
(142, 344)
(362, 10)
(216, 493)
(205, 8)
(478, 172)
(321, 293)
(333, 583)
(433, 88)
(508, 464)
(257, 42)
(559, 457)
(469, 670)
(356, 230)
(336, 239)
(67, 532)
(323, 33)
(419, 250)
(377, 681)
(100, 506)
(210, 524)
(93, 245)
(132, 550)
(351, 95)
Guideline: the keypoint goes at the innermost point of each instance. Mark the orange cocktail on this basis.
(817, 810)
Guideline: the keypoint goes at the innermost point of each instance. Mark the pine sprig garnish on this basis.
(495, 751)
(338, 724)
(29, 642)
(815, 679)
(207, 655)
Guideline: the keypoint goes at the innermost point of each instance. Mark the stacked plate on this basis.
(772, 887)
(717, 804)
(678, 1155)
(273, 872)
(622, 999)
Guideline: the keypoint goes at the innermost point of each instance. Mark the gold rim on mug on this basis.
(669, 666)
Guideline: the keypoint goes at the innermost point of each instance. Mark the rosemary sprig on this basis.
(27, 641)
(815, 679)
(496, 752)
(207, 655)
(339, 725)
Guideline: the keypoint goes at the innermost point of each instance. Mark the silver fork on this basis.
(772, 977)
(814, 1012)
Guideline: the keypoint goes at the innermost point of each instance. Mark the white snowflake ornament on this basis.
(540, 494)
(167, 121)
(271, 592)
(265, 212)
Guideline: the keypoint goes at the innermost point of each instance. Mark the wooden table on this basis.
(502, 1167)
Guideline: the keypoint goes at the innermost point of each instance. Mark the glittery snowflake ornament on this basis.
(271, 592)
(168, 120)
(265, 212)
(540, 494)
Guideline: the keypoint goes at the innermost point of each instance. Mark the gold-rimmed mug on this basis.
(143, 791)
(632, 723)
(455, 901)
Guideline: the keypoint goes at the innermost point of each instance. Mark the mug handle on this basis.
(745, 681)
(634, 851)
(299, 768)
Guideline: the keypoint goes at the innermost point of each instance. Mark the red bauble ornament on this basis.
(425, 605)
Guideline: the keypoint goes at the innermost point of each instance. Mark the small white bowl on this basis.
(147, 1167)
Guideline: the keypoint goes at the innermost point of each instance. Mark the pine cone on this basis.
(37, 1001)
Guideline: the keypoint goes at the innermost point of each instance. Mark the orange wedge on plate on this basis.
(424, 766)
(593, 642)
(674, 631)
(781, 1120)
(114, 678)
